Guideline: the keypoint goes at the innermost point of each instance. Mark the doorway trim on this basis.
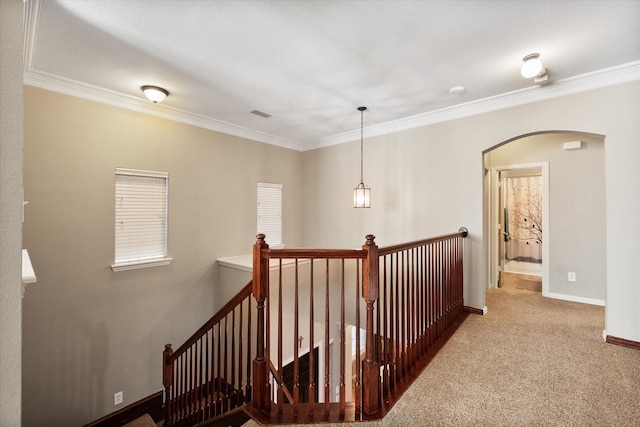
(494, 227)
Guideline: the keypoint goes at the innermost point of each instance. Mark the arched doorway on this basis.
(573, 229)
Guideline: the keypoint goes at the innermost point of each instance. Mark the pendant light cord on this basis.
(361, 109)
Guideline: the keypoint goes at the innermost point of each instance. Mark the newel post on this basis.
(370, 291)
(260, 291)
(167, 380)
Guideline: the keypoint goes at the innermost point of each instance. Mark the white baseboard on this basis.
(574, 298)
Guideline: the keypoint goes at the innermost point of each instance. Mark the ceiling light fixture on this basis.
(362, 193)
(155, 94)
(456, 90)
(533, 68)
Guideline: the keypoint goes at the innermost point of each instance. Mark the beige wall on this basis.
(577, 217)
(429, 180)
(89, 332)
(10, 211)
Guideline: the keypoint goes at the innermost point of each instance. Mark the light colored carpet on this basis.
(530, 361)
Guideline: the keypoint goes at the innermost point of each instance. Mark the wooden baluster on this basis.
(439, 291)
(384, 333)
(184, 397)
(198, 380)
(421, 300)
(393, 335)
(431, 296)
(225, 364)
(249, 389)
(260, 291)
(403, 314)
(207, 374)
(412, 319)
(280, 379)
(342, 344)
(327, 379)
(234, 396)
(397, 321)
(240, 348)
(357, 384)
(296, 367)
(218, 383)
(370, 293)
(312, 384)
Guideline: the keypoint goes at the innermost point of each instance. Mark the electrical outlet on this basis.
(572, 276)
(117, 398)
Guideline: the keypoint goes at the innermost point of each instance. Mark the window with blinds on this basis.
(141, 219)
(270, 213)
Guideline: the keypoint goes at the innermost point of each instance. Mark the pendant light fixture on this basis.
(362, 193)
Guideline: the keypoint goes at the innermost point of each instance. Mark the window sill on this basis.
(134, 265)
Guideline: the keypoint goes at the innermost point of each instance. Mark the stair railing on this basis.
(210, 373)
(411, 295)
(372, 315)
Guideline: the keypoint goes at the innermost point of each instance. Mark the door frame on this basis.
(494, 222)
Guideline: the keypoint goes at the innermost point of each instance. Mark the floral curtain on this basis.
(523, 218)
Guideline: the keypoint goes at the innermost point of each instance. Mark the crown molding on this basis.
(582, 83)
(595, 80)
(607, 77)
(77, 89)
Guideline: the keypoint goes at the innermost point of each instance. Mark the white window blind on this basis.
(141, 218)
(270, 213)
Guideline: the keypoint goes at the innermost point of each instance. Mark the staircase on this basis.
(373, 317)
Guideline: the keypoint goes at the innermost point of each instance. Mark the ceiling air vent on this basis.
(261, 114)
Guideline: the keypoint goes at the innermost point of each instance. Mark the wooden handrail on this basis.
(221, 314)
(314, 253)
(410, 245)
(285, 390)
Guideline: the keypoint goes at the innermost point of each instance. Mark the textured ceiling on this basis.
(310, 64)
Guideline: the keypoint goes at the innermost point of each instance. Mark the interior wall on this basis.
(429, 181)
(577, 210)
(89, 332)
(11, 125)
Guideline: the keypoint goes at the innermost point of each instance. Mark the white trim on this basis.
(134, 265)
(574, 298)
(138, 172)
(594, 80)
(78, 89)
(28, 274)
(494, 262)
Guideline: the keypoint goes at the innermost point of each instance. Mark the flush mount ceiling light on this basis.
(155, 94)
(533, 68)
(362, 193)
(456, 90)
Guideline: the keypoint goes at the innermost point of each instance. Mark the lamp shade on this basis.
(361, 196)
(155, 94)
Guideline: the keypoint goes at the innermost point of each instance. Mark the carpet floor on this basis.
(530, 361)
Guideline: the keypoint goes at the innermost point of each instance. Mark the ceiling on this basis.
(310, 64)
